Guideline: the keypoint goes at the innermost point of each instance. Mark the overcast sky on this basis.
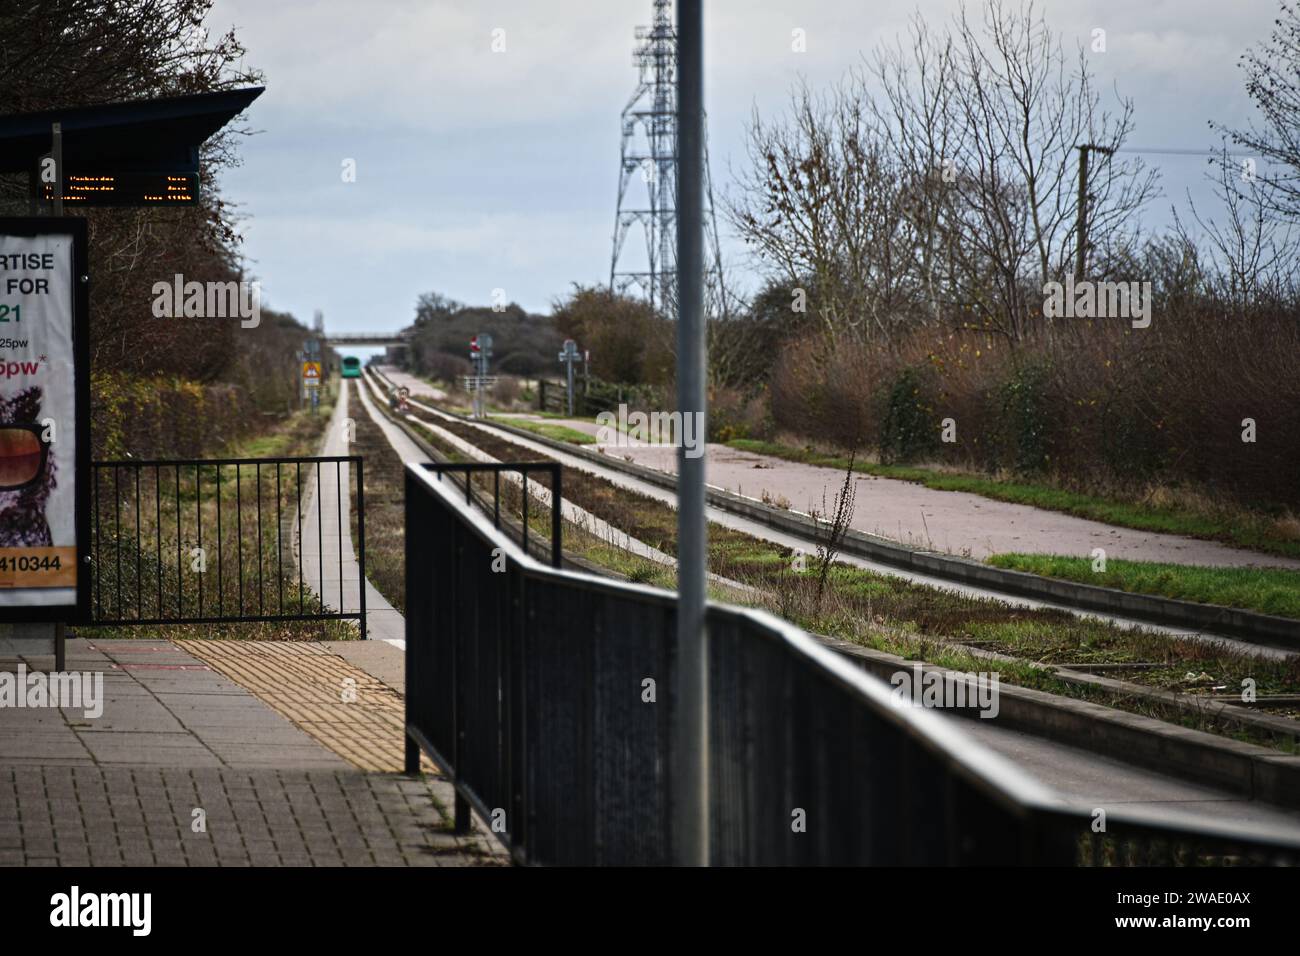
(479, 170)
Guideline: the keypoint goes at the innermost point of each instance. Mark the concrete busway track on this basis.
(614, 471)
(1243, 631)
(570, 512)
(1239, 785)
(1248, 767)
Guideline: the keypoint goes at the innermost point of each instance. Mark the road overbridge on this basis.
(394, 343)
(366, 339)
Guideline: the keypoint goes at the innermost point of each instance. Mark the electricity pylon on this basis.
(649, 155)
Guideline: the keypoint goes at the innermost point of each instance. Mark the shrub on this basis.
(734, 413)
(1026, 420)
(1084, 402)
(909, 426)
(140, 417)
(506, 391)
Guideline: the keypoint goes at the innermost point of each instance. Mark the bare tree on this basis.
(1023, 113)
(915, 118)
(953, 190)
(1273, 82)
(820, 204)
(1249, 256)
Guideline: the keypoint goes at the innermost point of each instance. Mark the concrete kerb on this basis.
(1247, 769)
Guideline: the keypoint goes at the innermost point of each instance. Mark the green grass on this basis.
(563, 433)
(554, 432)
(1267, 590)
(1255, 535)
(563, 415)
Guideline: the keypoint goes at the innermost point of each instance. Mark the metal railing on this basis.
(546, 696)
(210, 541)
(478, 492)
(590, 396)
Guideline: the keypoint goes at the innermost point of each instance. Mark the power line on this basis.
(1164, 150)
(1179, 151)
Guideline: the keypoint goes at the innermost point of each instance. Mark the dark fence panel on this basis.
(591, 398)
(546, 696)
(593, 742)
(804, 771)
(209, 541)
(473, 596)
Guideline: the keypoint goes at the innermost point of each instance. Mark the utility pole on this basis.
(690, 771)
(1081, 261)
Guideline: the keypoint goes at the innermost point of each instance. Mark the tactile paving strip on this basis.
(352, 713)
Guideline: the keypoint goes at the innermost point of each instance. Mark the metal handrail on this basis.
(1043, 827)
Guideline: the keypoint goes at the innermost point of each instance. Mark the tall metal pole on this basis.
(478, 386)
(56, 153)
(569, 363)
(690, 769)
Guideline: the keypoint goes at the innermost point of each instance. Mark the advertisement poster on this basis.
(39, 452)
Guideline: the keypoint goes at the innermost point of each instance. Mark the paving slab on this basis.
(153, 714)
(341, 818)
(177, 735)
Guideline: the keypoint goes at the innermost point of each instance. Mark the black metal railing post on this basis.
(556, 498)
(361, 540)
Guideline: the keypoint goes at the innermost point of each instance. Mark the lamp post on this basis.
(690, 772)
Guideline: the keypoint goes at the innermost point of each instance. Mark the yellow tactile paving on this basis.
(352, 713)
